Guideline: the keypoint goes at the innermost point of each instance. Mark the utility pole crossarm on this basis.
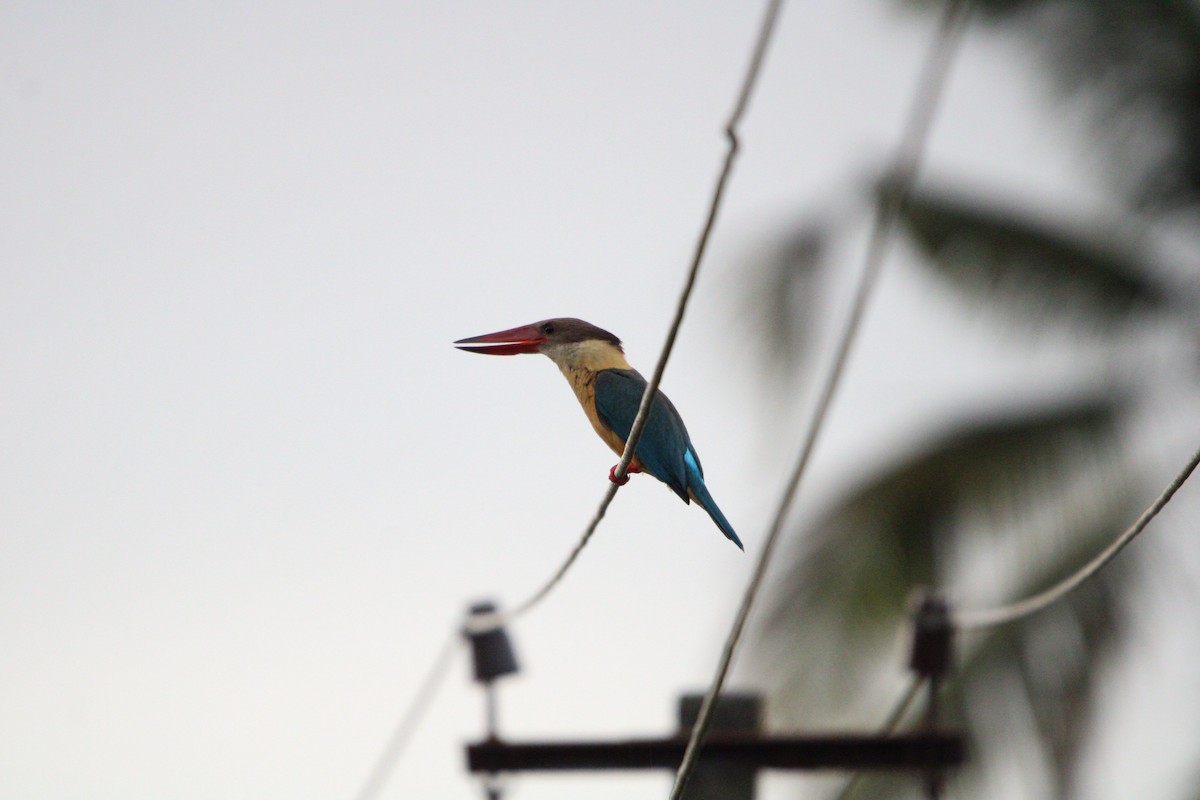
(834, 751)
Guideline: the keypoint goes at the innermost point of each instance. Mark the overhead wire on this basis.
(985, 618)
(903, 171)
(905, 164)
(731, 135)
(491, 621)
(991, 617)
(410, 719)
(889, 726)
(904, 168)
(481, 623)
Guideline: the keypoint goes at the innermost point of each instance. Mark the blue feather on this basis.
(700, 491)
(665, 449)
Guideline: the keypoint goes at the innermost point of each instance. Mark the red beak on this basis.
(511, 342)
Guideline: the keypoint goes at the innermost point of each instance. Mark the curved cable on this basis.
(482, 623)
(991, 617)
(492, 621)
(905, 164)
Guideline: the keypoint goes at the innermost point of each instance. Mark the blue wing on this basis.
(665, 450)
(664, 444)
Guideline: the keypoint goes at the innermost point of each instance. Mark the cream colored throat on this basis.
(589, 356)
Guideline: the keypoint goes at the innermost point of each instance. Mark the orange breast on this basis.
(584, 384)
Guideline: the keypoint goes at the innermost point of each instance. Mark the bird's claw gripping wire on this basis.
(612, 474)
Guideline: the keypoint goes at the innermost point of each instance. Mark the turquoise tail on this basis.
(700, 494)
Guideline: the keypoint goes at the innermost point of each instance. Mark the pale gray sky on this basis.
(248, 485)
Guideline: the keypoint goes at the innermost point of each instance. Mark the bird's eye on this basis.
(548, 328)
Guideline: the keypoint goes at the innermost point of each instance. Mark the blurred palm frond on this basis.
(1137, 63)
(782, 301)
(1042, 275)
(838, 608)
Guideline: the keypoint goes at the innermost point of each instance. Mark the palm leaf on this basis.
(837, 610)
(781, 303)
(1044, 275)
(1138, 63)
(1049, 662)
(1030, 681)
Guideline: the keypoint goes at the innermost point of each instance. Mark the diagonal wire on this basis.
(739, 110)
(410, 719)
(482, 623)
(889, 726)
(905, 165)
(987, 618)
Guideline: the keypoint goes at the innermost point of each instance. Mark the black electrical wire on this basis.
(903, 172)
(486, 622)
(991, 617)
(410, 719)
(889, 726)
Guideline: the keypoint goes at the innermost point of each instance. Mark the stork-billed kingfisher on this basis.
(610, 391)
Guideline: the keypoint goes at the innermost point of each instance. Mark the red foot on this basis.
(632, 468)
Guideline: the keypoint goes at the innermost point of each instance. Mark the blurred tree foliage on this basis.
(995, 506)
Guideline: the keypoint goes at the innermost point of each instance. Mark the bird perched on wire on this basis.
(610, 391)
